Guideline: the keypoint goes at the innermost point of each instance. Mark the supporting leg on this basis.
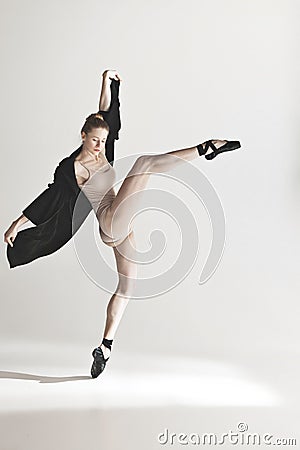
(127, 270)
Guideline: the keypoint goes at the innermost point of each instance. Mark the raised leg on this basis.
(115, 221)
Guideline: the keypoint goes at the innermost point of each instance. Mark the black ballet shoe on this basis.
(99, 362)
(230, 145)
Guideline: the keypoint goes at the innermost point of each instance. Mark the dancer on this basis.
(95, 178)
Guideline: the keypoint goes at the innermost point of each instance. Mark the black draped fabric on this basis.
(52, 211)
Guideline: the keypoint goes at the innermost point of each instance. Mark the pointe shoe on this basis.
(230, 145)
(99, 362)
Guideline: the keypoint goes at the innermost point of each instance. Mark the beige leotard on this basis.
(99, 186)
(99, 190)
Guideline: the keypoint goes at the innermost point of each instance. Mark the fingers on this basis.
(116, 75)
(9, 240)
(112, 75)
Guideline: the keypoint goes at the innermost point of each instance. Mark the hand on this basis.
(11, 233)
(112, 75)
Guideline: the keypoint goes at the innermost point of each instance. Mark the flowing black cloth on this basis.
(52, 211)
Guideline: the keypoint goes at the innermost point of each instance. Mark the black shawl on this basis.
(52, 210)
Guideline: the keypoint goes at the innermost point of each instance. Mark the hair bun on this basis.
(94, 120)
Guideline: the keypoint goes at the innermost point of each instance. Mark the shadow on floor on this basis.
(41, 378)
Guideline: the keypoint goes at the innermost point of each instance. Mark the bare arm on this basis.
(21, 220)
(11, 233)
(105, 96)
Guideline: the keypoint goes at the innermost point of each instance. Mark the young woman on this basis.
(95, 177)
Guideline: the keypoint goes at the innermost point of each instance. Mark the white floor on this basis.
(49, 401)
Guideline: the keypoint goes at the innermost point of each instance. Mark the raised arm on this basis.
(110, 96)
(105, 95)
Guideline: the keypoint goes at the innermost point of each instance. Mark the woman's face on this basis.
(94, 141)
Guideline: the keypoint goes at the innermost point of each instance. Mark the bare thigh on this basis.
(115, 220)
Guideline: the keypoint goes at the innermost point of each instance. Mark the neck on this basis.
(96, 156)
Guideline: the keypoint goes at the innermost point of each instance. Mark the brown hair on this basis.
(94, 120)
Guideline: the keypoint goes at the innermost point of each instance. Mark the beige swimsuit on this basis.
(99, 191)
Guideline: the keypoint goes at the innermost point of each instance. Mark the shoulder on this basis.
(78, 166)
(66, 163)
(81, 172)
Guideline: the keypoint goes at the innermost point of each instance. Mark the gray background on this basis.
(191, 71)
